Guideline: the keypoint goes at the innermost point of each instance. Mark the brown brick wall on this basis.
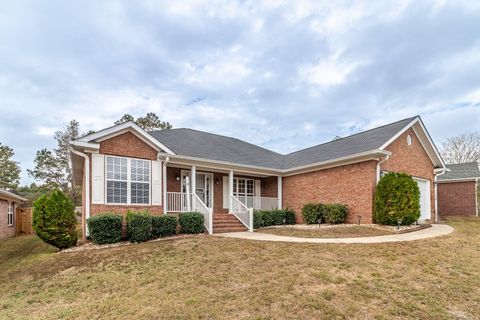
(128, 145)
(6, 231)
(412, 160)
(456, 198)
(269, 187)
(351, 184)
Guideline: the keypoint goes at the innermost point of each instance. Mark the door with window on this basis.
(203, 188)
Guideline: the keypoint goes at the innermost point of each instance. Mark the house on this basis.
(458, 190)
(8, 204)
(124, 167)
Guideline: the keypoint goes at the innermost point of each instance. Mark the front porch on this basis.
(227, 199)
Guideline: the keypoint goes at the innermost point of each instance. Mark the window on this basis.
(10, 213)
(128, 181)
(409, 140)
(243, 187)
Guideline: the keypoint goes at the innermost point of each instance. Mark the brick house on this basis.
(458, 190)
(126, 168)
(8, 204)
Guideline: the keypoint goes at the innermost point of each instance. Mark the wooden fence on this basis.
(23, 219)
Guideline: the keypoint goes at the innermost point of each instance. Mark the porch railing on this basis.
(199, 206)
(259, 203)
(179, 202)
(243, 213)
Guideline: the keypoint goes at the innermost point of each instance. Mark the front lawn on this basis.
(327, 232)
(220, 278)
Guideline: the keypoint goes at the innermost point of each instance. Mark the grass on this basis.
(218, 278)
(328, 232)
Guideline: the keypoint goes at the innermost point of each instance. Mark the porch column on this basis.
(164, 173)
(230, 191)
(279, 192)
(193, 176)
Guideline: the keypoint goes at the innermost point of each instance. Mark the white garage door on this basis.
(425, 206)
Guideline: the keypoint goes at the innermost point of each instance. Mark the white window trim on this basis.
(129, 183)
(10, 212)
(245, 194)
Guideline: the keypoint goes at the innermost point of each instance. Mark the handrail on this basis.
(202, 208)
(178, 202)
(243, 213)
(259, 203)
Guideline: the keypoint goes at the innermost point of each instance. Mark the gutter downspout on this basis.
(476, 195)
(436, 192)
(167, 160)
(378, 166)
(87, 190)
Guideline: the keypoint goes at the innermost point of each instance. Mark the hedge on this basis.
(105, 228)
(273, 217)
(311, 212)
(164, 226)
(191, 222)
(334, 213)
(397, 197)
(139, 226)
(54, 220)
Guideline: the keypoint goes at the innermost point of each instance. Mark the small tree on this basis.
(397, 198)
(54, 220)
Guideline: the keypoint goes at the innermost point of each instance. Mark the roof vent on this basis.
(336, 138)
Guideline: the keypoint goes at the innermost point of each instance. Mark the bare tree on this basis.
(462, 148)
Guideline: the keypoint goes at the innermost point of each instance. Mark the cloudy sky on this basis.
(284, 75)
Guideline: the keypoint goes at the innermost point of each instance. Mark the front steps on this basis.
(225, 222)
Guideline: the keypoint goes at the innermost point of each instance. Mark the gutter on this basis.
(435, 185)
(164, 178)
(87, 189)
(387, 156)
(476, 196)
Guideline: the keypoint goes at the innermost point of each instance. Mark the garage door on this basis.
(425, 205)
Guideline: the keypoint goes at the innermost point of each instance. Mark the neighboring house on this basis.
(126, 168)
(458, 190)
(8, 203)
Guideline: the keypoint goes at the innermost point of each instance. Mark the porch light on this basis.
(217, 181)
(177, 177)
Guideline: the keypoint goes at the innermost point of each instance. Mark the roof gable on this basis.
(461, 171)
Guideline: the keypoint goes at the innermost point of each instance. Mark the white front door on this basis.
(425, 205)
(204, 186)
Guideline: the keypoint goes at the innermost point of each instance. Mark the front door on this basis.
(204, 186)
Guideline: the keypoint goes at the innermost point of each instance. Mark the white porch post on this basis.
(230, 191)
(193, 176)
(164, 173)
(279, 192)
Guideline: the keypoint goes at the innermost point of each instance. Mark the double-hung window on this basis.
(127, 180)
(243, 187)
(10, 213)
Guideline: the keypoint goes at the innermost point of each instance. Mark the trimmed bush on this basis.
(54, 220)
(105, 228)
(397, 197)
(311, 212)
(139, 226)
(289, 216)
(273, 217)
(334, 213)
(164, 226)
(191, 222)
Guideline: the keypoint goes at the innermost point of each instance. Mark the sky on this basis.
(281, 74)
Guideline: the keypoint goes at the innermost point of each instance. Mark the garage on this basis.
(425, 200)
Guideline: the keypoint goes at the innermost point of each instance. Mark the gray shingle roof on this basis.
(461, 171)
(193, 143)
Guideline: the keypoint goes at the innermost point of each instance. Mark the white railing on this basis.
(200, 207)
(243, 213)
(179, 202)
(259, 203)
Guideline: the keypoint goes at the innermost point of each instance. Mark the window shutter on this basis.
(98, 178)
(258, 188)
(226, 202)
(156, 183)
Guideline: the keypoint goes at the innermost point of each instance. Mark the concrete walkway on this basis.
(435, 231)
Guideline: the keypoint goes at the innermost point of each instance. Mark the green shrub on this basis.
(289, 216)
(278, 217)
(191, 222)
(105, 228)
(164, 226)
(54, 220)
(311, 212)
(139, 226)
(257, 219)
(268, 218)
(397, 197)
(334, 213)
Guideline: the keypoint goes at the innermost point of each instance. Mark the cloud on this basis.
(282, 74)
